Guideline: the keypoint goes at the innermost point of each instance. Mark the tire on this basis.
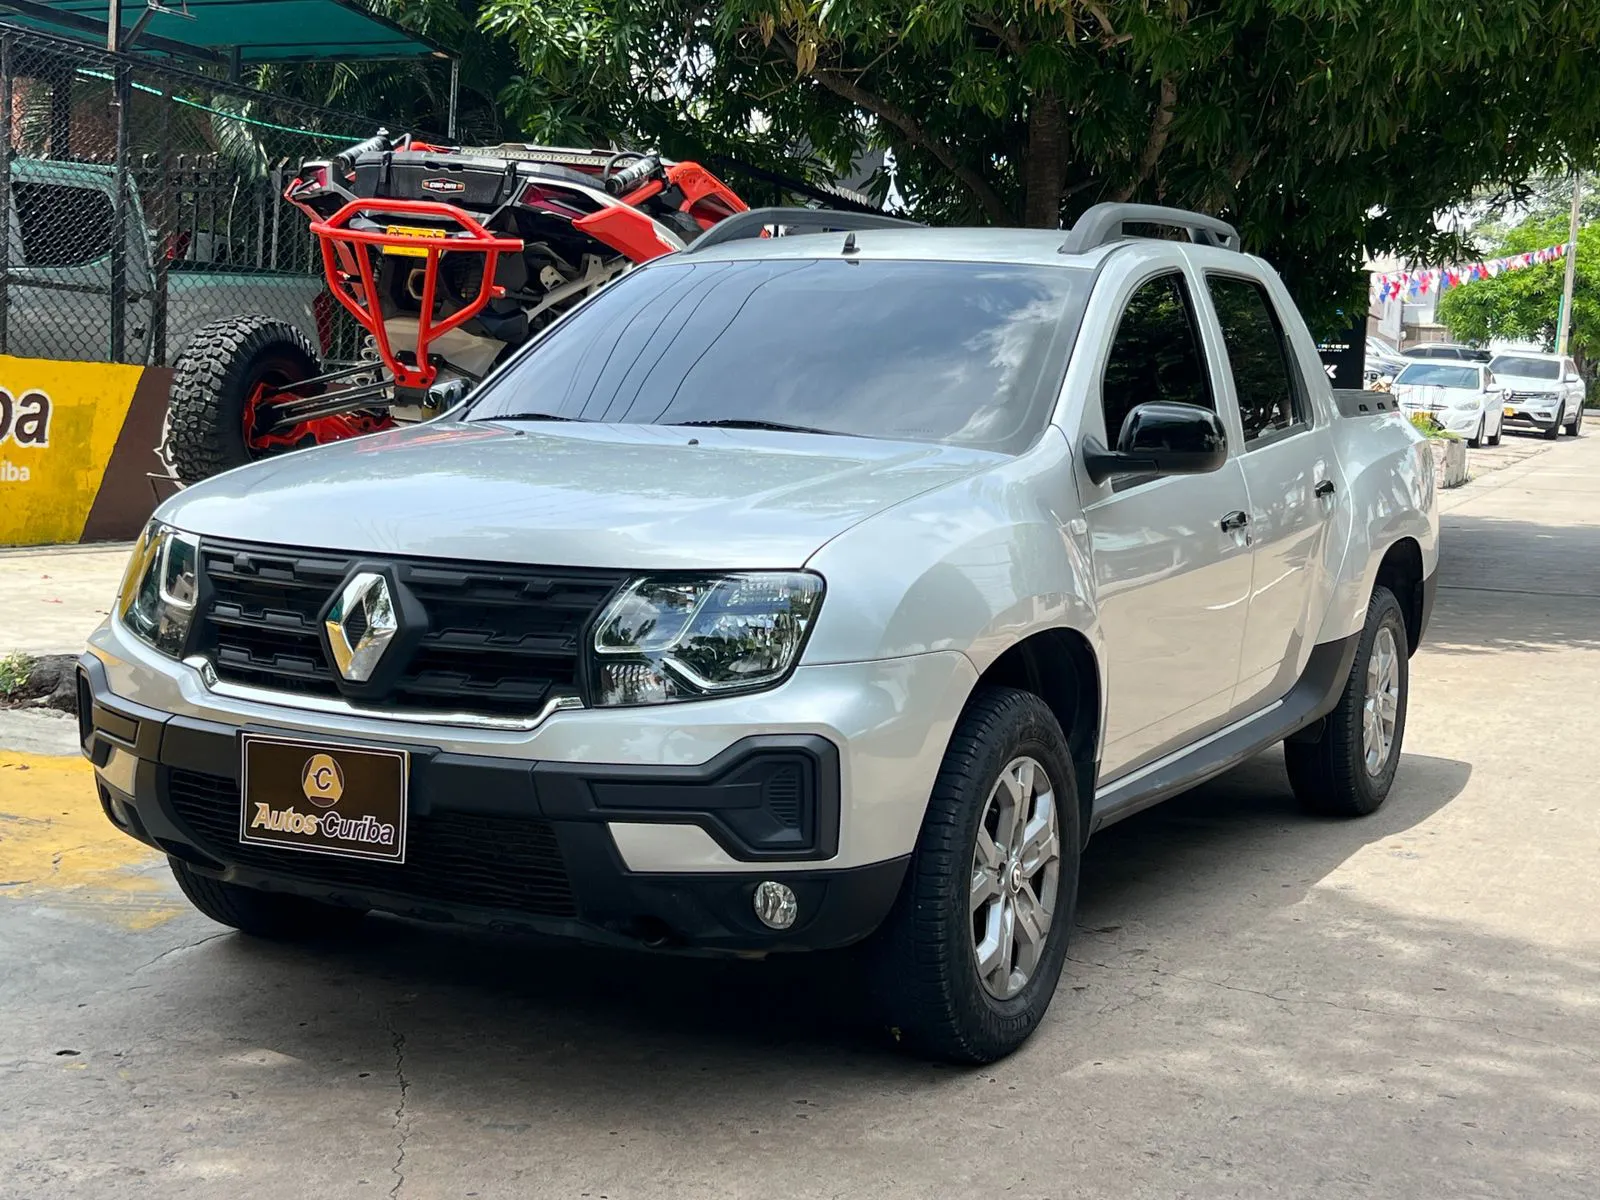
(1476, 439)
(1576, 427)
(924, 960)
(262, 914)
(212, 383)
(1554, 431)
(1330, 775)
(1499, 432)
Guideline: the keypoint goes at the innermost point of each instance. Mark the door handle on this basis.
(1325, 488)
(1237, 519)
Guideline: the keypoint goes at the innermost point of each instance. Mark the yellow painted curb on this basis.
(57, 849)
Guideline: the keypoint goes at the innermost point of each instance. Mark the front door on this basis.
(1170, 555)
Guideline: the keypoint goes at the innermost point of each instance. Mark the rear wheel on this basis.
(968, 959)
(1577, 422)
(222, 386)
(262, 914)
(1348, 769)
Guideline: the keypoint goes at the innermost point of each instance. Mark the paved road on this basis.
(1258, 1003)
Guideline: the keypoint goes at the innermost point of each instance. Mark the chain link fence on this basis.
(143, 201)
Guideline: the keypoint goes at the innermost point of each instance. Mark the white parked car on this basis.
(1543, 391)
(790, 593)
(1462, 397)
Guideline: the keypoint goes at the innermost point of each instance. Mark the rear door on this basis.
(1288, 465)
(1170, 560)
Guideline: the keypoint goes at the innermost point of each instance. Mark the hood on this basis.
(1431, 395)
(642, 497)
(1527, 383)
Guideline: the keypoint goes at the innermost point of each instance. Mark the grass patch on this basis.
(16, 669)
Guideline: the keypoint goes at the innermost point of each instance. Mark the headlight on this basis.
(159, 588)
(1469, 402)
(684, 639)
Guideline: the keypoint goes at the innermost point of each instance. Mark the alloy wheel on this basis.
(1016, 872)
(1381, 709)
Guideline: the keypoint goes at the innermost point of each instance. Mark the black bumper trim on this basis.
(706, 911)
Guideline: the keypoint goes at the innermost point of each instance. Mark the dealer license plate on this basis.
(411, 231)
(323, 797)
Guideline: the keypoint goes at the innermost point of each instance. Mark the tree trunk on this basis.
(1045, 165)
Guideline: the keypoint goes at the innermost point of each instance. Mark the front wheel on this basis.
(1476, 439)
(1554, 431)
(1577, 423)
(967, 961)
(1349, 767)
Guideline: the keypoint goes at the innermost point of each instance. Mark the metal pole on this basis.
(1564, 321)
(6, 67)
(114, 25)
(119, 215)
(455, 93)
(166, 186)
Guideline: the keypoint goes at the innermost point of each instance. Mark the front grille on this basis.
(475, 859)
(1534, 397)
(501, 639)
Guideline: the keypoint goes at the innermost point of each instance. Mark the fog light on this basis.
(775, 904)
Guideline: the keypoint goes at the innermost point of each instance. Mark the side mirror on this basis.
(447, 393)
(1573, 379)
(1161, 437)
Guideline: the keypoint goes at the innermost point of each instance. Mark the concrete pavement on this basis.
(1258, 1003)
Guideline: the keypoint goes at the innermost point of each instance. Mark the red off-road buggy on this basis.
(449, 259)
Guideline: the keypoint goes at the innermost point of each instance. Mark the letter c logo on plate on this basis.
(322, 780)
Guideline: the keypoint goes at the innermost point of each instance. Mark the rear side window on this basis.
(62, 226)
(1155, 355)
(1269, 401)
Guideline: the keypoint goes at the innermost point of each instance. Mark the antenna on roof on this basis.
(849, 243)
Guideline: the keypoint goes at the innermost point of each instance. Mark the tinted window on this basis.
(965, 353)
(1155, 355)
(1528, 368)
(62, 226)
(1449, 352)
(1268, 400)
(1446, 375)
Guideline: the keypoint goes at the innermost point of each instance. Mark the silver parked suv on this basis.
(793, 592)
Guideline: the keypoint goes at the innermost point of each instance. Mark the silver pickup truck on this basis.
(58, 294)
(792, 593)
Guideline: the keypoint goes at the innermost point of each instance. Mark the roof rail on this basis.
(1103, 224)
(819, 220)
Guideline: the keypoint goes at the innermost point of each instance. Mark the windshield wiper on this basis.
(748, 423)
(528, 416)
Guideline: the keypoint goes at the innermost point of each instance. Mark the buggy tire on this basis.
(212, 382)
(273, 915)
(1330, 774)
(923, 962)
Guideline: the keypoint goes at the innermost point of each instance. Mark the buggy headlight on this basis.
(159, 587)
(668, 639)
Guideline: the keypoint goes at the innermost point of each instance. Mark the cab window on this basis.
(1258, 355)
(1155, 354)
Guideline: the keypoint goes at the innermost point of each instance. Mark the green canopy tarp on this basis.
(256, 31)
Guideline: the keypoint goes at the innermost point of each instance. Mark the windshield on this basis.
(1439, 375)
(1528, 368)
(956, 352)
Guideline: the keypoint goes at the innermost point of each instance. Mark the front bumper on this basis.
(656, 853)
(1521, 415)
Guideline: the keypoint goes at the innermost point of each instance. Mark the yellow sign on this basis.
(411, 231)
(59, 423)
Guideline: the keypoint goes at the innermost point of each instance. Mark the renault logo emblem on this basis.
(360, 625)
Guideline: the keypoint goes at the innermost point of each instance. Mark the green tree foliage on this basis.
(1523, 305)
(1320, 126)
